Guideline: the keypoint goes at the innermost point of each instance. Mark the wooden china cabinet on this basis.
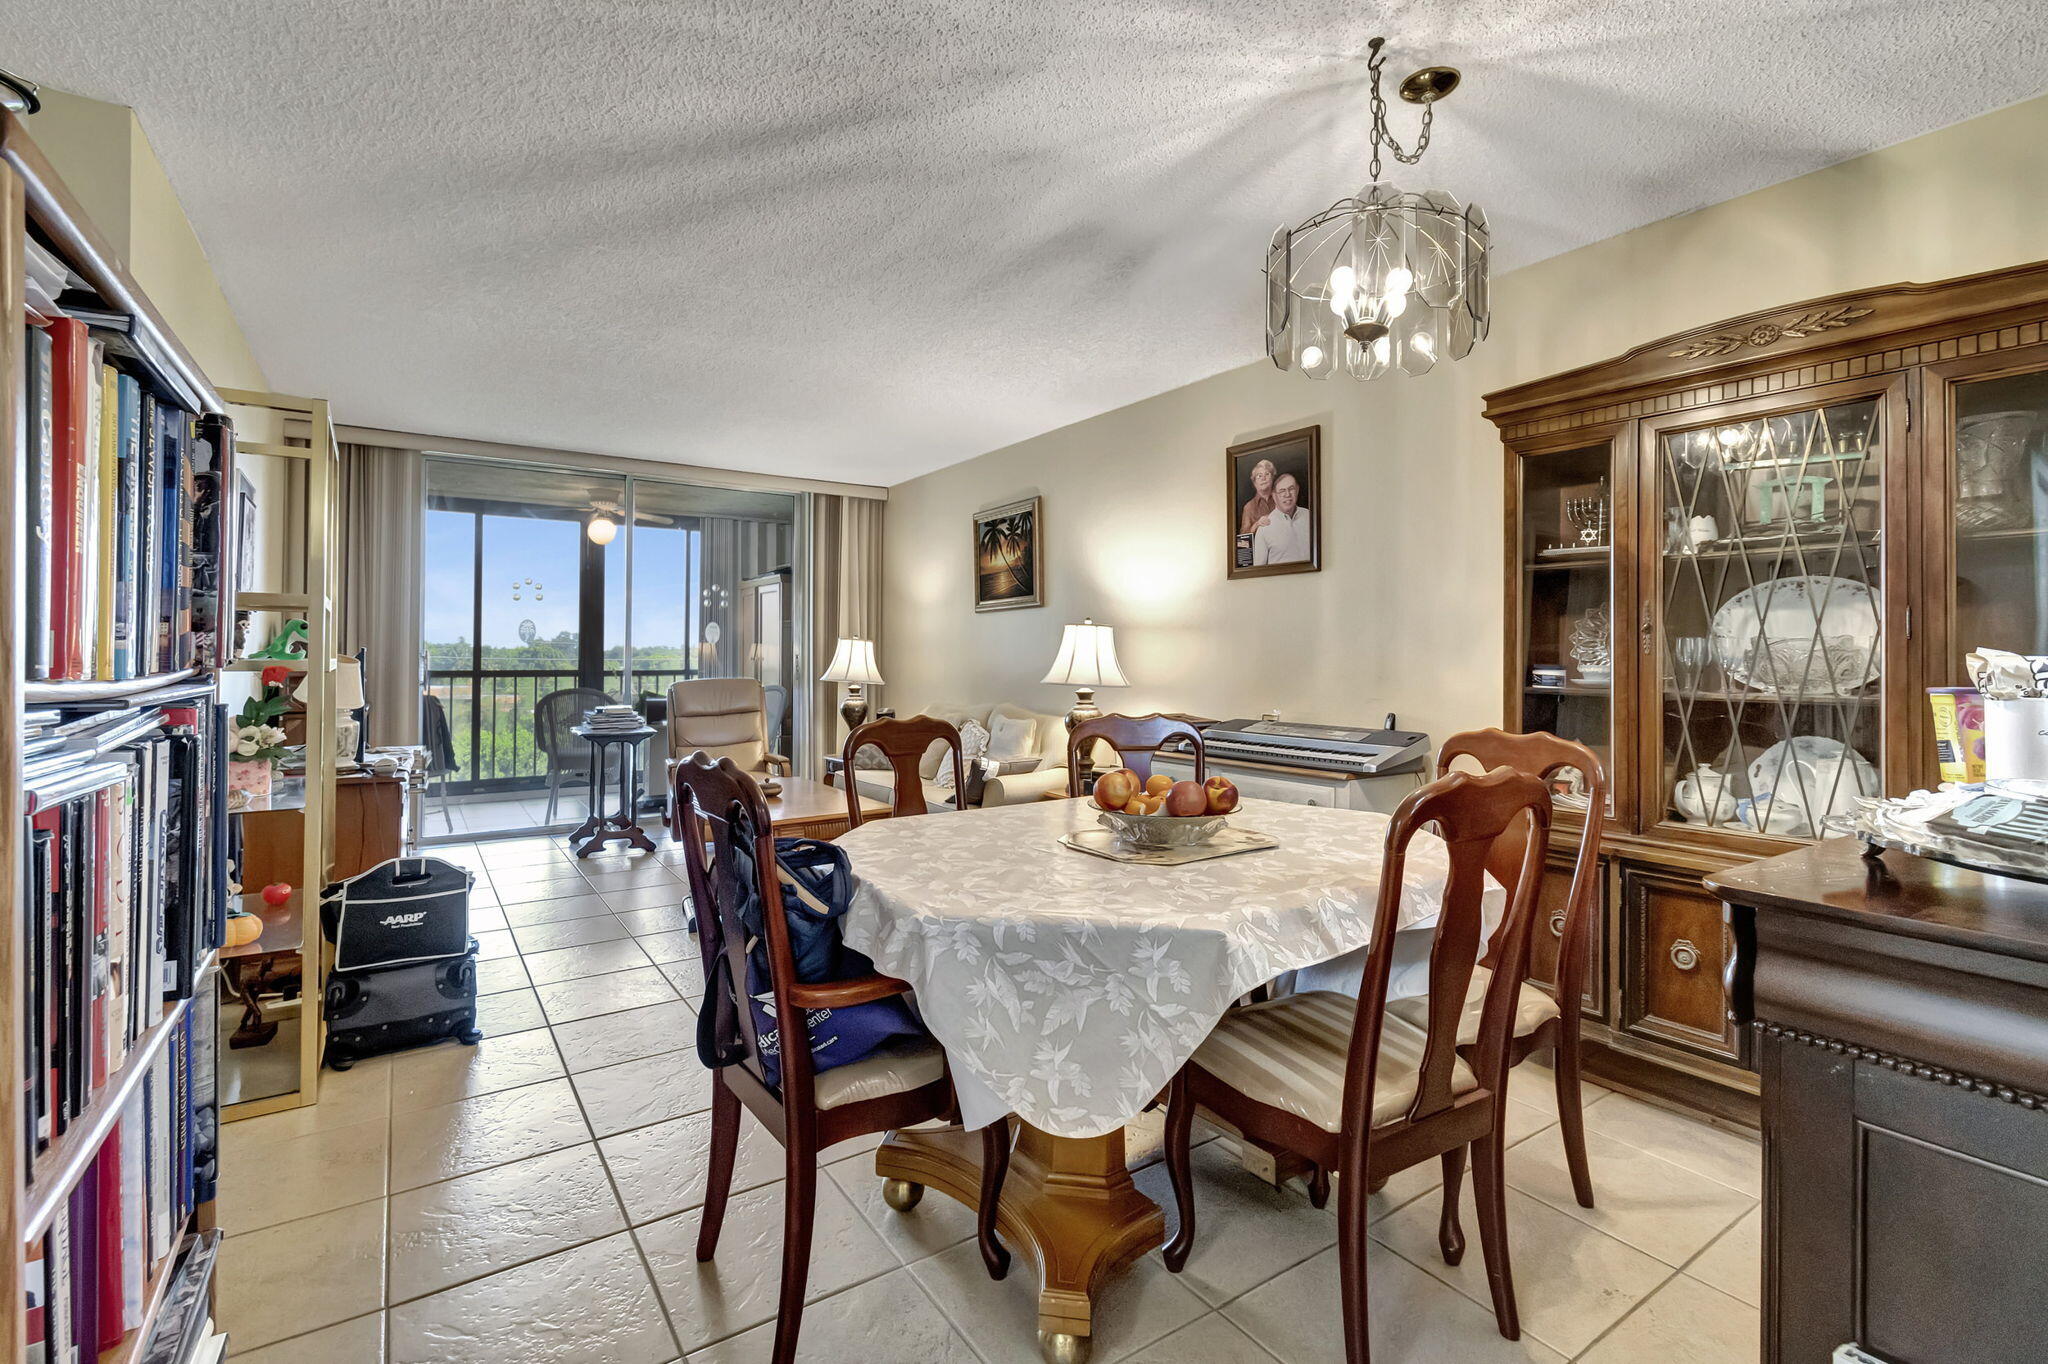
(1736, 559)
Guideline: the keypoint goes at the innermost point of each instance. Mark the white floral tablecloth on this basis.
(1068, 989)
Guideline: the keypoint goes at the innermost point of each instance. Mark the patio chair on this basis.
(565, 754)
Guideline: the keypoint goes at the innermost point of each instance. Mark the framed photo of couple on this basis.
(1275, 503)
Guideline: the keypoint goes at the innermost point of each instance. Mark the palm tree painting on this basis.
(1006, 557)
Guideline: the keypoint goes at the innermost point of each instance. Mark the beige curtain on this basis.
(846, 595)
(382, 498)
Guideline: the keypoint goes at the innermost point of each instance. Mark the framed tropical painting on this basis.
(1007, 562)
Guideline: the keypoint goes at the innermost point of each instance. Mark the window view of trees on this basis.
(518, 598)
(514, 679)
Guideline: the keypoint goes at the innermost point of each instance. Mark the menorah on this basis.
(1588, 515)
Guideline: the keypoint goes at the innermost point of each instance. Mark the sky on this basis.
(530, 573)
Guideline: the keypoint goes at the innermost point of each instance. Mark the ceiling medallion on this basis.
(1764, 333)
(1387, 278)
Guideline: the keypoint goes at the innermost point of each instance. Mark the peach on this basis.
(1187, 798)
(1113, 790)
(1222, 795)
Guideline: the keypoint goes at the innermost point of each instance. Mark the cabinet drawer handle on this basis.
(1557, 924)
(1684, 954)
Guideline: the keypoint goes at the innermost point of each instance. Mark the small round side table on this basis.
(619, 827)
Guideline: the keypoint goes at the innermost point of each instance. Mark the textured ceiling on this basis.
(861, 241)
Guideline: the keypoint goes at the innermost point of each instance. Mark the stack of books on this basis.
(613, 720)
(124, 499)
(125, 895)
(87, 1276)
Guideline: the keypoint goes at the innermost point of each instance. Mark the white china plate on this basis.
(1823, 777)
(1786, 608)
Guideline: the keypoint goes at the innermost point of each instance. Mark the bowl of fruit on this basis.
(1159, 812)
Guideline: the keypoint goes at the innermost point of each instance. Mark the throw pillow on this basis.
(1011, 737)
(974, 740)
(871, 759)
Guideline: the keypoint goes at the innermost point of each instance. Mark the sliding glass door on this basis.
(550, 590)
(701, 559)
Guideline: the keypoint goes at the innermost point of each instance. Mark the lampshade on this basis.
(1087, 658)
(348, 685)
(853, 661)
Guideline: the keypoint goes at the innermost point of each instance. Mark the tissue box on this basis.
(1958, 732)
(2016, 741)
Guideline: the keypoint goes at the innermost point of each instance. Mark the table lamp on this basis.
(1087, 660)
(853, 663)
(349, 701)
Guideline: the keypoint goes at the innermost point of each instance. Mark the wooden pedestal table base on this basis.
(1068, 1204)
(622, 826)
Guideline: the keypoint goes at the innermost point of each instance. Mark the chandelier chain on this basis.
(1380, 135)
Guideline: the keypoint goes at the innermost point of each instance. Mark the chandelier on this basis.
(1386, 279)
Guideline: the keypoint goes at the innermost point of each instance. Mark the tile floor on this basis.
(534, 1199)
(495, 813)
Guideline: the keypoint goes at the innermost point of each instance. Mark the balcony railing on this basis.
(490, 718)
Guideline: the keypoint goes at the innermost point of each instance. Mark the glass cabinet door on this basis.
(1999, 427)
(1567, 667)
(1769, 648)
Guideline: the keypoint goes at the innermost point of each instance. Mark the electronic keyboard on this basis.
(1331, 748)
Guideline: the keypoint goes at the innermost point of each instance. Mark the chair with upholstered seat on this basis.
(1365, 1093)
(719, 817)
(1547, 1016)
(1136, 739)
(902, 743)
(724, 717)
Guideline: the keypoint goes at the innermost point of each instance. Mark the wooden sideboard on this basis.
(1899, 1015)
(1664, 511)
(370, 826)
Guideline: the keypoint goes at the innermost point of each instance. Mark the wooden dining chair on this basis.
(1366, 1093)
(716, 810)
(1547, 1018)
(904, 743)
(1136, 739)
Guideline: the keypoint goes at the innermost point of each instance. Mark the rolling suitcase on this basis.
(404, 963)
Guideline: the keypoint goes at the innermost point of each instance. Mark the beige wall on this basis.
(1407, 612)
(106, 161)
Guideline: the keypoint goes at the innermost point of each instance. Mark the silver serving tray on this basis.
(1227, 843)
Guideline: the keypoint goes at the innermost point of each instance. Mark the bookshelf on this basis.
(84, 740)
(309, 449)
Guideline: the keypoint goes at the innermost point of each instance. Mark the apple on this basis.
(1186, 798)
(276, 893)
(1158, 784)
(1113, 790)
(1222, 795)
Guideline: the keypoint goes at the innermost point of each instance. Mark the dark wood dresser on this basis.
(1897, 1014)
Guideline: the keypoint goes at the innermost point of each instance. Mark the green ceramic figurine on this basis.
(290, 642)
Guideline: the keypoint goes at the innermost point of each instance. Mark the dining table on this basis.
(1068, 988)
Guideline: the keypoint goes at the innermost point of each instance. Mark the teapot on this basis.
(1703, 794)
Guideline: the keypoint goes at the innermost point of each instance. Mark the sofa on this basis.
(1046, 749)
